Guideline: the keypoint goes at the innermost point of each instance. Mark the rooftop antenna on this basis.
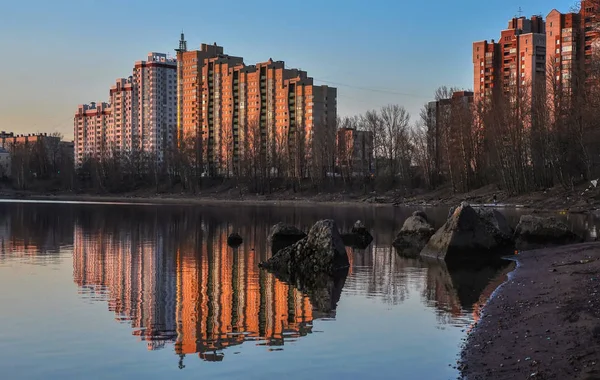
(520, 12)
(182, 44)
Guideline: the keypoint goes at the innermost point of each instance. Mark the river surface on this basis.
(131, 291)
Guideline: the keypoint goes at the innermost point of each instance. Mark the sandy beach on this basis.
(544, 322)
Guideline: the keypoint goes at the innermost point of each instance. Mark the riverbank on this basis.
(544, 322)
(556, 199)
(187, 199)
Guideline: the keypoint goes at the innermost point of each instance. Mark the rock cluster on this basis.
(469, 232)
(321, 251)
(534, 231)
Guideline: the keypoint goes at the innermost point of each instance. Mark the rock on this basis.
(496, 218)
(534, 231)
(421, 214)
(322, 251)
(414, 234)
(468, 232)
(234, 240)
(283, 235)
(358, 225)
(359, 236)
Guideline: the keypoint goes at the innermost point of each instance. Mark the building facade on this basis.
(355, 152)
(5, 163)
(140, 117)
(92, 121)
(439, 119)
(227, 109)
(573, 43)
(515, 64)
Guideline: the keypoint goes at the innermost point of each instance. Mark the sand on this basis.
(544, 322)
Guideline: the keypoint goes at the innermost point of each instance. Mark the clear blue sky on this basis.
(58, 54)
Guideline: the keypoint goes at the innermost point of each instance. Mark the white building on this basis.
(4, 163)
(155, 92)
(123, 116)
(91, 121)
(141, 116)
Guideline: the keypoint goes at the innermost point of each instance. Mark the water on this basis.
(125, 291)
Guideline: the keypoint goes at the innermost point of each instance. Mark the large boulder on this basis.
(283, 235)
(468, 232)
(359, 236)
(322, 251)
(534, 231)
(414, 234)
(496, 218)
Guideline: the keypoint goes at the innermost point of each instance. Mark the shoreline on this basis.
(256, 200)
(183, 200)
(543, 322)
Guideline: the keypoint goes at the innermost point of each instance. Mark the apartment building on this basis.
(513, 65)
(8, 139)
(355, 151)
(119, 131)
(572, 40)
(141, 115)
(226, 107)
(439, 118)
(155, 111)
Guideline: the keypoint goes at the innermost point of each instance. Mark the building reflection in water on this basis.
(186, 286)
(169, 273)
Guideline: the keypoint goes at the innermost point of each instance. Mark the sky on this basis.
(58, 54)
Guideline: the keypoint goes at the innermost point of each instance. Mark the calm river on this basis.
(131, 291)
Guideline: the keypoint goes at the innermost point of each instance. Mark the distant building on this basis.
(8, 139)
(141, 116)
(222, 102)
(439, 117)
(354, 151)
(4, 163)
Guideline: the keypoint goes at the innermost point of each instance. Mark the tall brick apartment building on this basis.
(226, 106)
(514, 64)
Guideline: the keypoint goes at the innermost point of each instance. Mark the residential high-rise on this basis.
(154, 98)
(573, 40)
(227, 108)
(514, 64)
(91, 123)
(140, 118)
(118, 134)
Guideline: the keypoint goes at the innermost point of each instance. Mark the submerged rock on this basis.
(234, 240)
(322, 251)
(534, 231)
(468, 232)
(359, 236)
(414, 234)
(283, 235)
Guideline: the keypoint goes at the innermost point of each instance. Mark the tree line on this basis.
(533, 137)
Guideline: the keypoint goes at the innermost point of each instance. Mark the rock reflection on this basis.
(457, 288)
